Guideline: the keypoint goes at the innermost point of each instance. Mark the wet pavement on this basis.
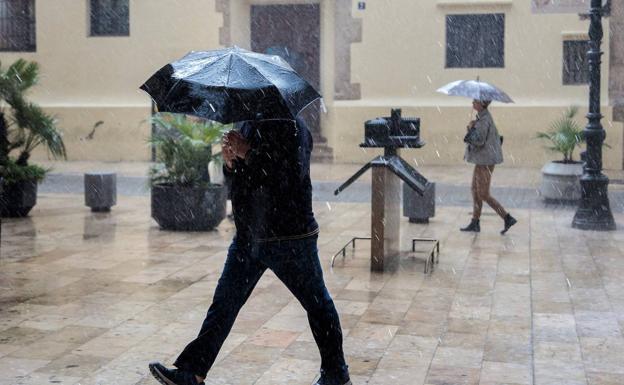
(91, 298)
(447, 193)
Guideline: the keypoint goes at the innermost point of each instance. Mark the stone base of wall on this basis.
(123, 135)
(618, 113)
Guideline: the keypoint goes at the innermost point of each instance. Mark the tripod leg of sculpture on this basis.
(353, 178)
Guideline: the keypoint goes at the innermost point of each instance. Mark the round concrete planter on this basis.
(18, 199)
(561, 181)
(188, 208)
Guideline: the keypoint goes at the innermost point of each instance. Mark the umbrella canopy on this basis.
(475, 89)
(230, 85)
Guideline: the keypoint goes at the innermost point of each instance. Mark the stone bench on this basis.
(100, 190)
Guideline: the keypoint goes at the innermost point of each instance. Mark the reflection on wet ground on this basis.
(91, 298)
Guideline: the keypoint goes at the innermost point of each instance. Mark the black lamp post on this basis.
(594, 211)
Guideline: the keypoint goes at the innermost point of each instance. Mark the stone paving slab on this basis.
(91, 298)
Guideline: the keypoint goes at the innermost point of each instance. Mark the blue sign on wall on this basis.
(362, 5)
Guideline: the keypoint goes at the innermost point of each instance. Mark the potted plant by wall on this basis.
(23, 127)
(561, 178)
(183, 197)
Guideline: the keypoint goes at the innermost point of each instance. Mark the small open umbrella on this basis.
(475, 89)
(230, 85)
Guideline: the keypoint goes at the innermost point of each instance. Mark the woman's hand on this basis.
(471, 125)
(237, 144)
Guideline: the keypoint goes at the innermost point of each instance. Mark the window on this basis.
(110, 18)
(17, 25)
(475, 41)
(575, 64)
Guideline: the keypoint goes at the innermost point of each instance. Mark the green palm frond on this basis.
(13, 173)
(565, 134)
(24, 74)
(37, 128)
(18, 78)
(184, 149)
(28, 125)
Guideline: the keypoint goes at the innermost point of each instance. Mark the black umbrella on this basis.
(230, 85)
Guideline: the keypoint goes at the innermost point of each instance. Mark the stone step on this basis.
(618, 112)
(322, 153)
(322, 158)
(318, 139)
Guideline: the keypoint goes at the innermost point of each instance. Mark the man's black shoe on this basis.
(473, 226)
(172, 376)
(509, 221)
(340, 378)
(323, 381)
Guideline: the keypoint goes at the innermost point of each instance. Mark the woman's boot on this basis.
(473, 226)
(509, 221)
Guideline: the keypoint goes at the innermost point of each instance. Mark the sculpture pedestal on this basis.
(385, 219)
(388, 171)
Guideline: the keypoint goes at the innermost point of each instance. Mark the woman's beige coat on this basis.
(483, 147)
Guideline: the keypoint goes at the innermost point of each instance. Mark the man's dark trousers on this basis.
(296, 264)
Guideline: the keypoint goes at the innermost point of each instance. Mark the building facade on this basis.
(366, 57)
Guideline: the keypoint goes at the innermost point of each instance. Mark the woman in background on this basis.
(484, 150)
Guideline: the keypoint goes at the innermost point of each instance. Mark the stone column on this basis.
(385, 219)
(348, 31)
(616, 59)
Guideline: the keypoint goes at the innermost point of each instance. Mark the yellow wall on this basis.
(399, 63)
(85, 79)
(443, 130)
(402, 55)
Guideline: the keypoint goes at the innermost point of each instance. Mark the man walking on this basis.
(271, 192)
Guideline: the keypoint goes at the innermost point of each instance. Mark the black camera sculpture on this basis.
(390, 133)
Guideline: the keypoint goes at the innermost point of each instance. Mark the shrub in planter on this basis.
(19, 188)
(561, 178)
(183, 197)
(23, 127)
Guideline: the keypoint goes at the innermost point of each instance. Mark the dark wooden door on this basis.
(292, 31)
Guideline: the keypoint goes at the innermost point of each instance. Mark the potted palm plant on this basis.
(183, 197)
(561, 178)
(23, 127)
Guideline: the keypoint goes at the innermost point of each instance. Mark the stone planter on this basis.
(188, 208)
(18, 199)
(561, 181)
(100, 190)
(419, 208)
